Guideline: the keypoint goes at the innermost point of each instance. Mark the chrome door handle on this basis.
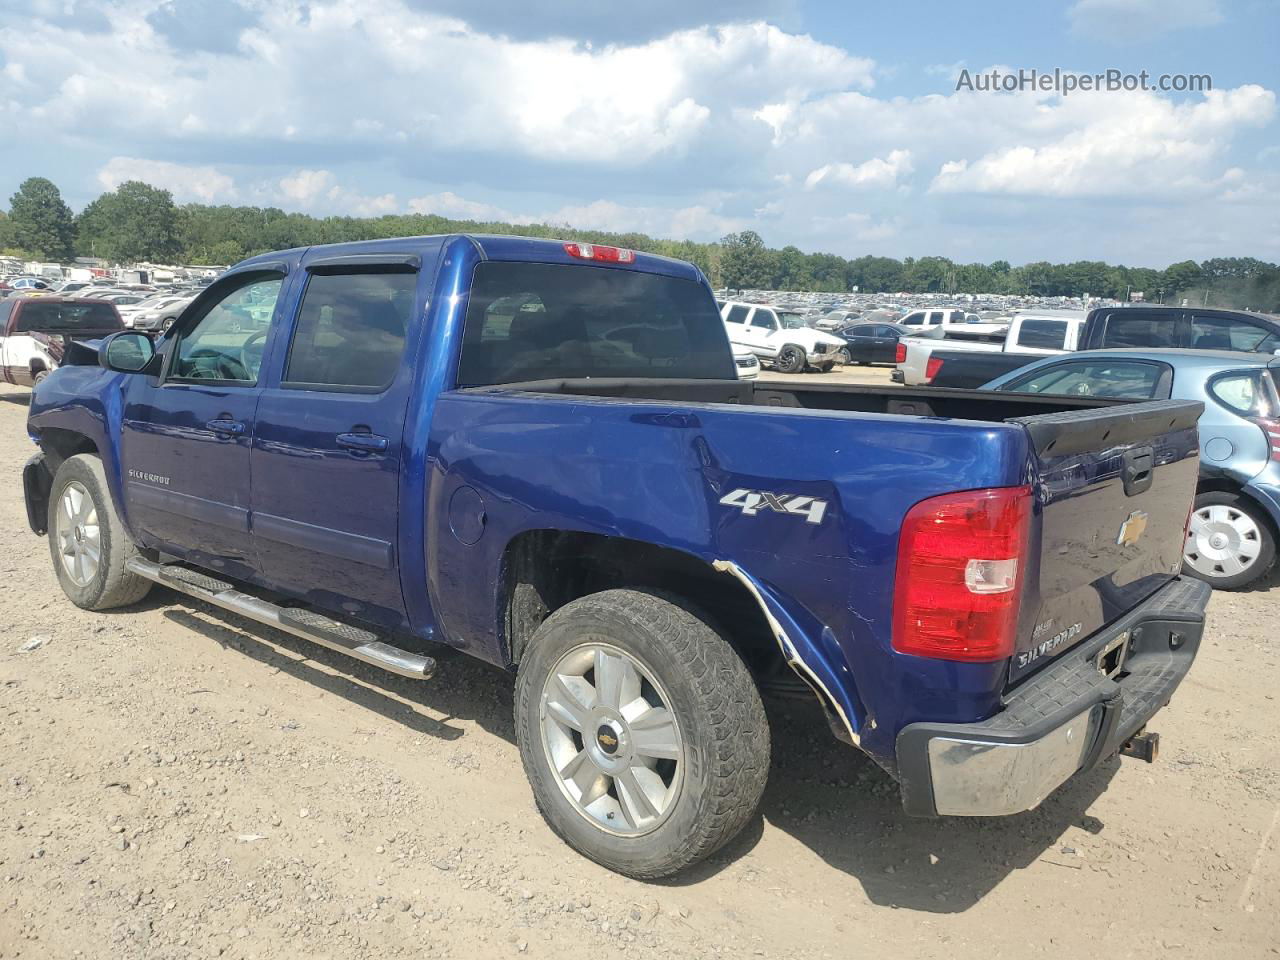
(362, 442)
(230, 427)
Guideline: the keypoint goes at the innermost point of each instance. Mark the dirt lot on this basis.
(182, 784)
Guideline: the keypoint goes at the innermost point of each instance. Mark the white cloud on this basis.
(187, 183)
(414, 78)
(876, 172)
(1132, 146)
(304, 187)
(1122, 20)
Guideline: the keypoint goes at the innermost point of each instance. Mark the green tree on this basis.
(42, 224)
(746, 263)
(134, 222)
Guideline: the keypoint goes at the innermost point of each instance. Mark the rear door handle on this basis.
(232, 428)
(362, 442)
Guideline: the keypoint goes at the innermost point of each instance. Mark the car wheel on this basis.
(791, 359)
(87, 541)
(641, 731)
(842, 356)
(166, 323)
(1230, 542)
(824, 367)
(40, 377)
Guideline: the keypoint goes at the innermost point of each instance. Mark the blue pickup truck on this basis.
(538, 453)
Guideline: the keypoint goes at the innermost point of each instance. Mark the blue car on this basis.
(1231, 541)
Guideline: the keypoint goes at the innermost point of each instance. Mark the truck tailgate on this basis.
(1115, 489)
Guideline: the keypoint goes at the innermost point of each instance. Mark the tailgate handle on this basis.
(1139, 468)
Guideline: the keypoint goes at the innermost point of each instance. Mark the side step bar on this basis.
(307, 624)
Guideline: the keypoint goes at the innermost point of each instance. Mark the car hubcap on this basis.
(79, 537)
(1222, 541)
(611, 739)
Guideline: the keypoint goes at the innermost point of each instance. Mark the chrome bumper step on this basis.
(300, 622)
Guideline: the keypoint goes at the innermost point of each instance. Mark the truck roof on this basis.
(492, 247)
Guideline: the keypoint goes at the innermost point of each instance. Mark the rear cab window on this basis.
(1043, 334)
(542, 321)
(53, 317)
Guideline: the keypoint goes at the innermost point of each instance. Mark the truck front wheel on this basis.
(87, 540)
(641, 731)
(791, 359)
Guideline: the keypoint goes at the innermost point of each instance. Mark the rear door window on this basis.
(1131, 379)
(913, 319)
(937, 316)
(350, 332)
(737, 314)
(542, 321)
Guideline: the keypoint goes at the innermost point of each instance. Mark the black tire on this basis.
(715, 702)
(842, 357)
(791, 359)
(166, 323)
(40, 377)
(1266, 542)
(112, 585)
(824, 367)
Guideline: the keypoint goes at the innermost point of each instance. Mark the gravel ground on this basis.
(178, 783)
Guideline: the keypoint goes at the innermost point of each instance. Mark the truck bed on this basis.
(852, 398)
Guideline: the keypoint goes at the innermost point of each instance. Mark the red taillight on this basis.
(1272, 430)
(900, 355)
(594, 251)
(931, 368)
(957, 592)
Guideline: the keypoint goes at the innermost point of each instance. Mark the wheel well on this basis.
(37, 365)
(59, 445)
(545, 569)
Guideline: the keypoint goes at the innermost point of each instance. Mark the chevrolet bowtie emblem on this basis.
(1132, 529)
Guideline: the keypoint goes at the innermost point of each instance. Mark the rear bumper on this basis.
(1060, 722)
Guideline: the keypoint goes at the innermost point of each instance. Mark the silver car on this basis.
(1231, 541)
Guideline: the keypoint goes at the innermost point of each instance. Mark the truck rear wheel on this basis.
(641, 731)
(87, 541)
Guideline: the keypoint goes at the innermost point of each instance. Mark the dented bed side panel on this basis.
(802, 507)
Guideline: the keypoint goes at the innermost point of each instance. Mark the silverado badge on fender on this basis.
(1131, 531)
(751, 502)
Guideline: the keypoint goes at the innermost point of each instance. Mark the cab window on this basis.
(351, 331)
(1130, 379)
(764, 319)
(226, 344)
(1228, 333)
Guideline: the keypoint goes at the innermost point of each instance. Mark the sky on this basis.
(833, 125)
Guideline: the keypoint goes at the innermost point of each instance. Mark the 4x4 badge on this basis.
(751, 502)
(1132, 529)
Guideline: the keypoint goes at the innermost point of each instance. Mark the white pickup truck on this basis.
(781, 338)
(34, 332)
(921, 358)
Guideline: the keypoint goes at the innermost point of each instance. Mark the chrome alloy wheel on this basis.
(611, 739)
(1222, 541)
(79, 536)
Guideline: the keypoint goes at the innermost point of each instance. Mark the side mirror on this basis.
(126, 352)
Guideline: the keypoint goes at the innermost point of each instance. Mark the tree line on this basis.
(138, 222)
